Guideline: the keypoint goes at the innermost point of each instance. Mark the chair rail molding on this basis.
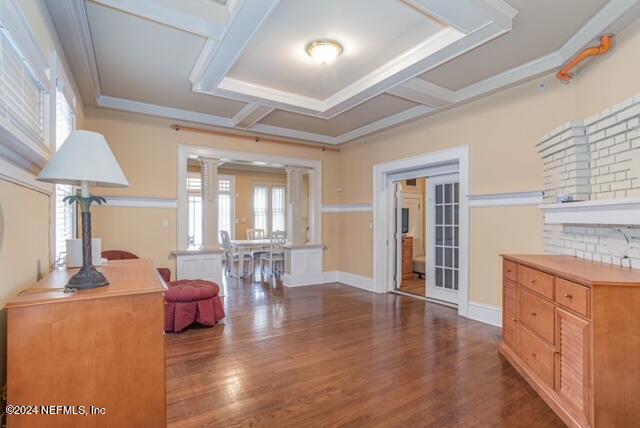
(505, 199)
(139, 202)
(347, 208)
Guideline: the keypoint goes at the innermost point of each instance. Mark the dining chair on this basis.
(232, 257)
(256, 252)
(275, 253)
(255, 234)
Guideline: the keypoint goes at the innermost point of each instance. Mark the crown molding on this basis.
(208, 119)
(163, 111)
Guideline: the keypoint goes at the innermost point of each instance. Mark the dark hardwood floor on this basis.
(332, 355)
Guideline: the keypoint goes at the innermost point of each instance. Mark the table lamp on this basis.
(84, 160)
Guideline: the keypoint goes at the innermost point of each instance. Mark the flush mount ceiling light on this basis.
(324, 51)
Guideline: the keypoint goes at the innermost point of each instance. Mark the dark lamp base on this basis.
(88, 277)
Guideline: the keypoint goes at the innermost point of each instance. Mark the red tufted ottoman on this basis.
(190, 301)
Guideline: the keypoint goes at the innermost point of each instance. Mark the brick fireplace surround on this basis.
(592, 160)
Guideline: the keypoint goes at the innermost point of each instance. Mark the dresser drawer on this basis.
(510, 270)
(537, 355)
(540, 282)
(537, 314)
(573, 296)
(510, 313)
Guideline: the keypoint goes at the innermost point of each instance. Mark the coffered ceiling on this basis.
(243, 65)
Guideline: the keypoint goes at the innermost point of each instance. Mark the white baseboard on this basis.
(353, 280)
(487, 314)
(302, 280)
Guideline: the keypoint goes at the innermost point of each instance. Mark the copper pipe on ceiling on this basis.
(606, 43)
(257, 139)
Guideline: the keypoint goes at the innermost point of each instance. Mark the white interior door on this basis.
(398, 234)
(443, 236)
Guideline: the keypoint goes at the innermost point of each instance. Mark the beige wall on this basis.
(146, 149)
(24, 213)
(502, 131)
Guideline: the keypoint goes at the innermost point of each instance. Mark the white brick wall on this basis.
(589, 242)
(598, 158)
(595, 159)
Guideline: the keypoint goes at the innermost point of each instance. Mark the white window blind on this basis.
(278, 209)
(194, 195)
(21, 94)
(269, 207)
(261, 208)
(64, 213)
(225, 206)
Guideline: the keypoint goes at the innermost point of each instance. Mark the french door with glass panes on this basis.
(443, 237)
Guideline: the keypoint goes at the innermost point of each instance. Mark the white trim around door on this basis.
(383, 246)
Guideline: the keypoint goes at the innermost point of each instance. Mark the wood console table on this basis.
(102, 347)
(572, 329)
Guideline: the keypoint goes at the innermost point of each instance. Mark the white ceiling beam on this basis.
(205, 19)
(382, 124)
(250, 115)
(467, 15)
(245, 22)
(423, 92)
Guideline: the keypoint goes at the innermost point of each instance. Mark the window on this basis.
(225, 207)
(23, 94)
(278, 209)
(260, 208)
(269, 207)
(194, 196)
(64, 213)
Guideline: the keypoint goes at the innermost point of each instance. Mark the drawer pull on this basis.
(533, 314)
(568, 296)
(508, 270)
(533, 354)
(514, 319)
(532, 281)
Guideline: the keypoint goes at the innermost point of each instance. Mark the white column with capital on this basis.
(210, 193)
(303, 263)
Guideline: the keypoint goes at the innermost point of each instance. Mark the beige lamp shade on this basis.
(86, 157)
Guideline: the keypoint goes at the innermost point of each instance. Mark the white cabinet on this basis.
(199, 264)
(303, 265)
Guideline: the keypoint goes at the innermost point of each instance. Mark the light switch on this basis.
(370, 225)
(165, 224)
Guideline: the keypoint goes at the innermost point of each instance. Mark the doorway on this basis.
(411, 246)
(451, 281)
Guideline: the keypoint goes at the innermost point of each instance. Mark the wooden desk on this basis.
(102, 347)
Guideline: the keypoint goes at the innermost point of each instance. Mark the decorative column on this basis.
(210, 191)
(296, 229)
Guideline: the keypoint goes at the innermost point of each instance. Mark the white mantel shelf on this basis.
(610, 211)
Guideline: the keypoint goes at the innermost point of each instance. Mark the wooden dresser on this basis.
(407, 257)
(572, 329)
(102, 347)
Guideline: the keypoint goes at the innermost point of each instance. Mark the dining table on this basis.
(246, 246)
